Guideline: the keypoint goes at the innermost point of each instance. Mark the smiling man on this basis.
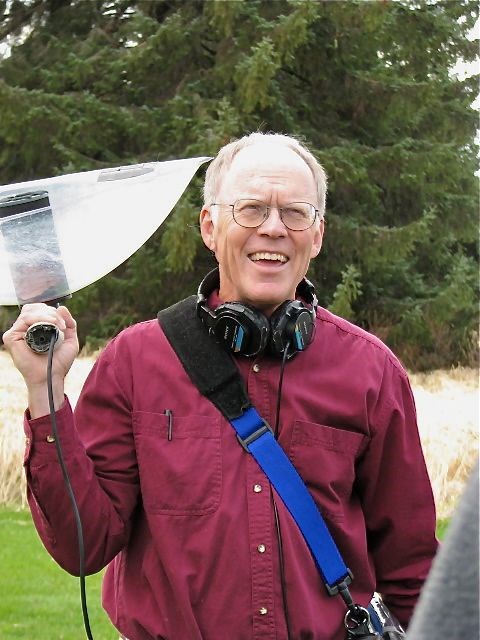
(261, 260)
(198, 544)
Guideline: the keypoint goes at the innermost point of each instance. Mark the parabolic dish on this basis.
(60, 234)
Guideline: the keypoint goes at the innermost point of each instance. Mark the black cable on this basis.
(279, 394)
(282, 569)
(68, 486)
(275, 510)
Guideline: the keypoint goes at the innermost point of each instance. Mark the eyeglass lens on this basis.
(296, 216)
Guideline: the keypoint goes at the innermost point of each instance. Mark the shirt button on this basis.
(257, 488)
(256, 368)
(50, 438)
(261, 548)
(263, 611)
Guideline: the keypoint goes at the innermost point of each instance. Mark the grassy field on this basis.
(38, 599)
(448, 420)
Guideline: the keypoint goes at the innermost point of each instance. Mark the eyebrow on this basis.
(264, 201)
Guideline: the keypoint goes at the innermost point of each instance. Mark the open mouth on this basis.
(264, 257)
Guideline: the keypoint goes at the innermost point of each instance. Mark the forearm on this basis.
(104, 506)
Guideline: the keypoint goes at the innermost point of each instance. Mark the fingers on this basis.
(35, 313)
(40, 314)
(67, 318)
(27, 358)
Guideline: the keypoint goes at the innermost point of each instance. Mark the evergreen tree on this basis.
(367, 85)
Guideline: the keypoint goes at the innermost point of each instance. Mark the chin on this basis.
(266, 300)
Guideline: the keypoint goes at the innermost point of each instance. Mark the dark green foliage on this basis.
(367, 85)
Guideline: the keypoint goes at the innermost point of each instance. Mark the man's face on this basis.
(263, 266)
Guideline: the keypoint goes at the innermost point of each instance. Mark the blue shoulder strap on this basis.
(215, 374)
(257, 438)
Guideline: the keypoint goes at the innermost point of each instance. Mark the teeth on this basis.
(268, 256)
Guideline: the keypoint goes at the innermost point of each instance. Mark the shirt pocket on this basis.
(325, 458)
(180, 467)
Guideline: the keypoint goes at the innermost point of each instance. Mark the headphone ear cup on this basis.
(278, 321)
(240, 329)
(245, 330)
(292, 325)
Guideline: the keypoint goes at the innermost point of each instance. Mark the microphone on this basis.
(35, 260)
(47, 226)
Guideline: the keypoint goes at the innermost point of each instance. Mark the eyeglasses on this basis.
(296, 216)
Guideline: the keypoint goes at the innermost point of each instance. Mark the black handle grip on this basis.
(39, 335)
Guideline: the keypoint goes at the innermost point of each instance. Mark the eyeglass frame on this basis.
(267, 212)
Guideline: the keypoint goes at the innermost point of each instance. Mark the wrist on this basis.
(38, 403)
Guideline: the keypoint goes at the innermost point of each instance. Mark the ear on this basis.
(207, 229)
(317, 239)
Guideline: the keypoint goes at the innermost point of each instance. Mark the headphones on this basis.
(242, 329)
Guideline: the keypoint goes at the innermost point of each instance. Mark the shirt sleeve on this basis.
(397, 497)
(97, 448)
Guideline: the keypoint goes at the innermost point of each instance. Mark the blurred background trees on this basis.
(367, 85)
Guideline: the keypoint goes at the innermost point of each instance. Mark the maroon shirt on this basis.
(186, 519)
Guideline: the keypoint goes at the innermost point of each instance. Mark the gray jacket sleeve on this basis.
(448, 604)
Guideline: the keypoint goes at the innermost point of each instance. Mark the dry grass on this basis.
(448, 416)
(448, 421)
(13, 399)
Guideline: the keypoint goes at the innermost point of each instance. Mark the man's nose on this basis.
(273, 225)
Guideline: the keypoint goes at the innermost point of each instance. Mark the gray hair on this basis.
(224, 158)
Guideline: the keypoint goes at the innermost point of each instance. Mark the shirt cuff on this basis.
(39, 437)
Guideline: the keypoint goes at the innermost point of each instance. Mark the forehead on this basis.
(267, 165)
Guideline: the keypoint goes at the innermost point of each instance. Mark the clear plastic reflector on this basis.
(60, 234)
